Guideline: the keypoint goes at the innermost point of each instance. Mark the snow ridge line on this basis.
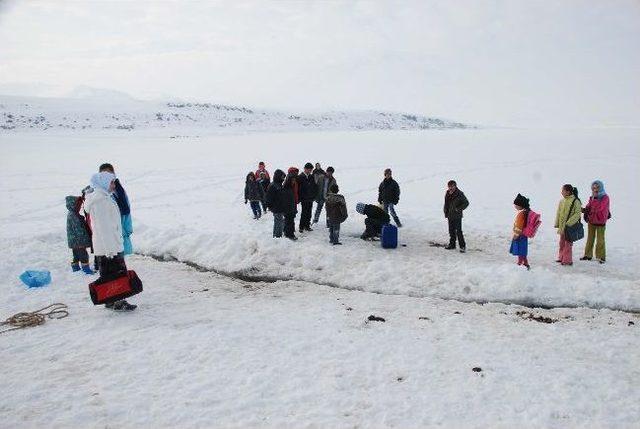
(251, 276)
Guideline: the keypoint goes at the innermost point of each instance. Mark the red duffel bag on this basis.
(114, 288)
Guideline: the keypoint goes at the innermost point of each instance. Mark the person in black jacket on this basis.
(290, 206)
(307, 191)
(264, 181)
(376, 218)
(454, 203)
(253, 193)
(389, 195)
(277, 201)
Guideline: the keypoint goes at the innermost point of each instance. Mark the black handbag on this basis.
(573, 232)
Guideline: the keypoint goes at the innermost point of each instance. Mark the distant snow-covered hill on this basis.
(24, 114)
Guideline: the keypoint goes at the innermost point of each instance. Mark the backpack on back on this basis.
(533, 223)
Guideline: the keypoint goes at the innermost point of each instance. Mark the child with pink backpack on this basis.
(525, 226)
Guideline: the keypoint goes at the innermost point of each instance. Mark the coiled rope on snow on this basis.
(35, 318)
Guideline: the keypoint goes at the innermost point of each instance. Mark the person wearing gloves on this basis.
(376, 218)
(106, 227)
(596, 214)
(568, 213)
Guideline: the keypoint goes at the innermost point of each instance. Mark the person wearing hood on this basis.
(389, 195)
(596, 214)
(324, 181)
(278, 202)
(106, 227)
(519, 242)
(254, 194)
(78, 235)
(307, 192)
(290, 203)
(568, 214)
(376, 218)
(121, 198)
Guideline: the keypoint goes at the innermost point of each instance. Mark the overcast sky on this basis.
(550, 63)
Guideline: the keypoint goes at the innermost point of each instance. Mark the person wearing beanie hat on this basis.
(519, 242)
(307, 190)
(596, 214)
(389, 195)
(376, 218)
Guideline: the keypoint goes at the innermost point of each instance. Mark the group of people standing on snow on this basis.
(286, 191)
(567, 223)
(100, 219)
(282, 196)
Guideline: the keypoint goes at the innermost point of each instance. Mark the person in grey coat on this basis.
(324, 181)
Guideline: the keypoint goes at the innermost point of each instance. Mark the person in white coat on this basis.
(106, 228)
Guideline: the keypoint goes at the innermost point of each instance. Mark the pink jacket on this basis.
(598, 210)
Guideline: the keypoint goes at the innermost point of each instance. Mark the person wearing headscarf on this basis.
(568, 214)
(106, 227)
(596, 214)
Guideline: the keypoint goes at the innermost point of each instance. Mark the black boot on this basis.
(123, 305)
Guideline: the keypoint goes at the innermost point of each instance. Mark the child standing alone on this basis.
(78, 236)
(520, 242)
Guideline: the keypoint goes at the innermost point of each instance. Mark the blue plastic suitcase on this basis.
(389, 236)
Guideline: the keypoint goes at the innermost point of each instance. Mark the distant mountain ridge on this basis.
(25, 114)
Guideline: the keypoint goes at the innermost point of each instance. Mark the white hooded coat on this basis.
(106, 225)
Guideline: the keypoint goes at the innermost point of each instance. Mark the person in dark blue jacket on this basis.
(277, 202)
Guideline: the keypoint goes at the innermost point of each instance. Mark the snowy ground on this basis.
(208, 350)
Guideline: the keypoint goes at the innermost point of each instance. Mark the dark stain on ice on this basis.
(373, 318)
(535, 317)
(476, 369)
